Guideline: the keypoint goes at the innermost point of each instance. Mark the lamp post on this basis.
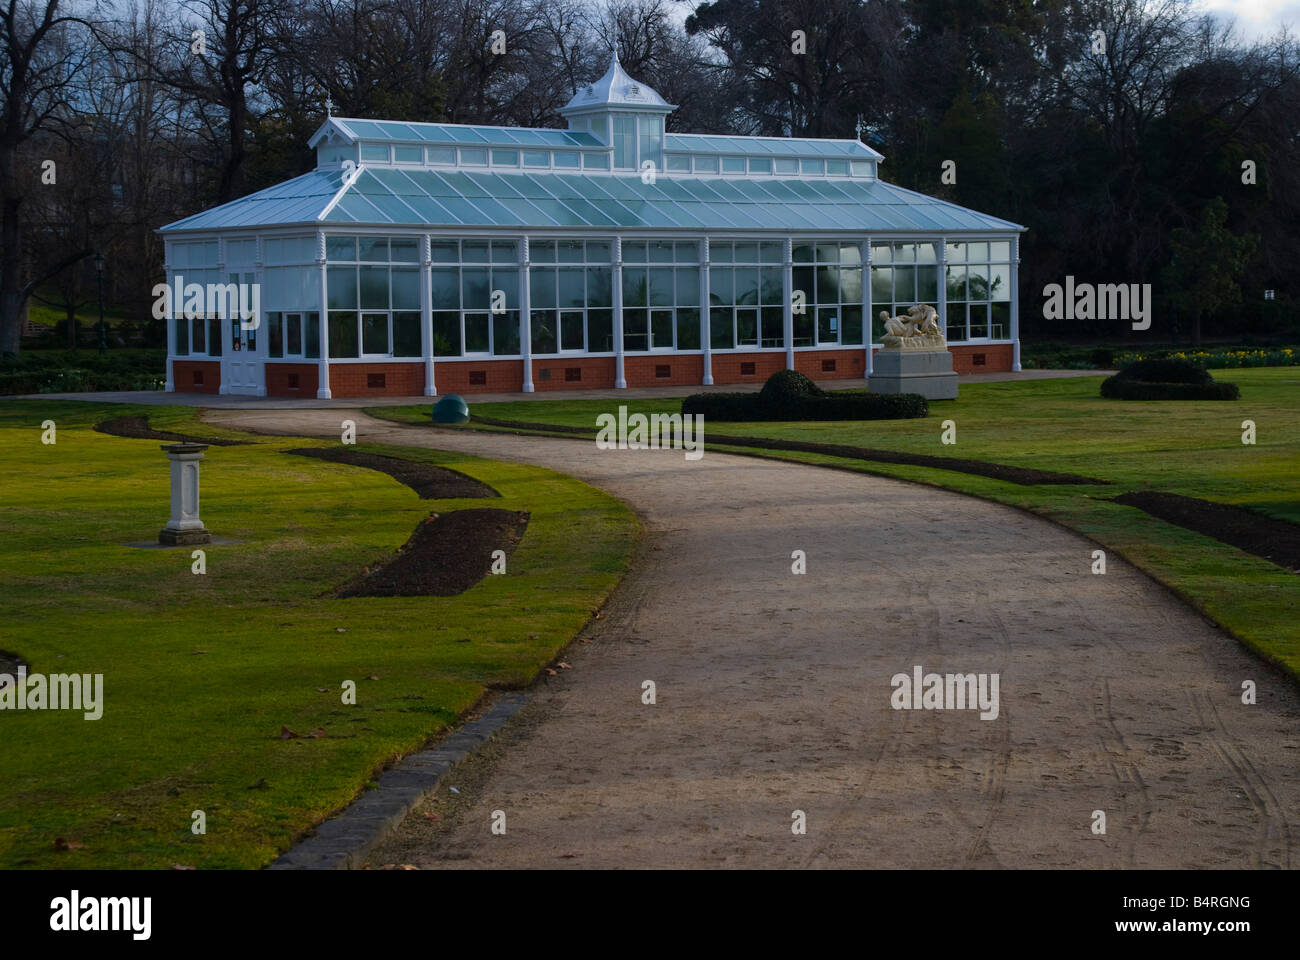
(103, 333)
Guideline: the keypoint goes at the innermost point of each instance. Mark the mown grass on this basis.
(201, 672)
(1194, 449)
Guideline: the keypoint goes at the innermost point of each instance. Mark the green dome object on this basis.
(451, 409)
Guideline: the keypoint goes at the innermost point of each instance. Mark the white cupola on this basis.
(624, 113)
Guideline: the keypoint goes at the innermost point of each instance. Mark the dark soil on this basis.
(428, 481)
(139, 429)
(1022, 475)
(446, 555)
(10, 662)
(1275, 540)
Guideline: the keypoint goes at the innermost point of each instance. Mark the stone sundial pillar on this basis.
(184, 526)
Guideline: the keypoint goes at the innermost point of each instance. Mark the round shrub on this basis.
(1113, 388)
(789, 385)
(1165, 370)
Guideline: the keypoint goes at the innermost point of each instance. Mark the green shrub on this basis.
(789, 395)
(1113, 388)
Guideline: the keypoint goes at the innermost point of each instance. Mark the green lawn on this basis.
(201, 672)
(1063, 425)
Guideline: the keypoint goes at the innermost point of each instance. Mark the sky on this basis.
(1256, 18)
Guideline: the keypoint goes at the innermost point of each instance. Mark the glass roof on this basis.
(768, 146)
(397, 132)
(422, 198)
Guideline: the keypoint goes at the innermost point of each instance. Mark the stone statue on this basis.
(918, 329)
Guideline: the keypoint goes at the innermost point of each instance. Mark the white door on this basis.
(241, 361)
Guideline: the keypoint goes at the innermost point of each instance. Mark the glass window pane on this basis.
(979, 320)
(446, 334)
(293, 331)
(507, 282)
(721, 336)
(850, 285)
(661, 251)
(828, 253)
(503, 251)
(565, 159)
(634, 286)
(406, 334)
(786, 165)
(374, 289)
(904, 286)
(441, 154)
(404, 249)
(661, 329)
(408, 154)
(476, 333)
(342, 287)
(1000, 282)
(678, 163)
(880, 253)
(570, 251)
(591, 161)
(927, 284)
(688, 328)
(343, 334)
(374, 333)
(721, 252)
(955, 252)
(733, 164)
(198, 330)
(828, 284)
(340, 248)
(542, 251)
(956, 327)
(474, 251)
(978, 252)
(1000, 251)
(772, 282)
(541, 288)
(882, 291)
(837, 168)
(571, 330)
(662, 287)
(624, 142)
(977, 284)
(956, 284)
(599, 287)
(505, 334)
(311, 322)
(688, 286)
(373, 249)
(505, 158)
(374, 151)
(1000, 320)
(747, 285)
(537, 158)
(543, 334)
(406, 288)
(760, 164)
(476, 291)
(803, 253)
(904, 253)
(814, 167)
(598, 251)
(803, 328)
(473, 155)
(746, 253)
(770, 252)
(445, 283)
(850, 253)
(635, 331)
(721, 285)
(746, 328)
(706, 164)
(572, 291)
(851, 319)
(771, 332)
(444, 251)
(828, 324)
(634, 251)
(182, 335)
(803, 282)
(600, 331)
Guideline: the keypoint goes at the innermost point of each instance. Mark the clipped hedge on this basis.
(1166, 378)
(1113, 388)
(789, 395)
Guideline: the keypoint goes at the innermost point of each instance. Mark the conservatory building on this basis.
(424, 259)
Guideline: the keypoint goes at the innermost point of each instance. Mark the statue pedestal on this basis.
(923, 369)
(184, 528)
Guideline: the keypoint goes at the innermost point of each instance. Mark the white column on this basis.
(226, 354)
(263, 348)
(620, 379)
(426, 314)
(787, 318)
(706, 324)
(942, 305)
(1015, 302)
(173, 309)
(526, 314)
(866, 306)
(323, 367)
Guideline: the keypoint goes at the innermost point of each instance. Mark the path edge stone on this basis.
(344, 841)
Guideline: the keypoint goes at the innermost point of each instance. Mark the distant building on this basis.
(460, 259)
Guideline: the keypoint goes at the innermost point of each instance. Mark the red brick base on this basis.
(278, 382)
(398, 379)
(729, 367)
(184, 376)
(499, 376)
(845, 364)
(681, 369)
(997, 357)
(592, 373)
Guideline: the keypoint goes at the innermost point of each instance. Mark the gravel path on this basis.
(773, 690)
